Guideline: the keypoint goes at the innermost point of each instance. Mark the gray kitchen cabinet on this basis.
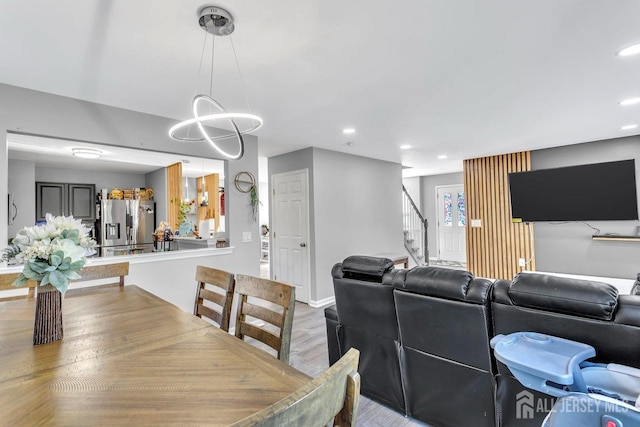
(66, 199)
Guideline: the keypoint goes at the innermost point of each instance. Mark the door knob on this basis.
(303, 245)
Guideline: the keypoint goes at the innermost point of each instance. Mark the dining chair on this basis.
(88, 272)
(6, 284)
(273, 304)
(210, 283)
(333, 397)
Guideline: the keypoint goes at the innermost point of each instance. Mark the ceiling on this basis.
(58, 153)
(463, 78)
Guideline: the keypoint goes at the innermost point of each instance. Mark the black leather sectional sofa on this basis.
(424, 333)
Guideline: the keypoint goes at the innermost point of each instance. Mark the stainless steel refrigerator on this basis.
(125, 227)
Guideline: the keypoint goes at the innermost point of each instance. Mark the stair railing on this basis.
(415, 230)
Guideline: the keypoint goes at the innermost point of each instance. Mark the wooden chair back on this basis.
(280, 317)
(89, 272)
(218, 279)
(6, 284)
(331, 397)
(107, 271)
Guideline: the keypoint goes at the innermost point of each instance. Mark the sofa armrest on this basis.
(628, 312)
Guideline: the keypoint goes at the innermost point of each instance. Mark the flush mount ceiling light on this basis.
(442, 156)
(349, 131)
(630, 101)
(629, 127)
(629, 51)
(217, 22)
(86, 153)
(405, 147)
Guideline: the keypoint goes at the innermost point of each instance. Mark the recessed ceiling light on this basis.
(629, 127)
(628, 51)
(405, 146)
(630, 101)
(348, 131)
(442, 156)
(86, 153)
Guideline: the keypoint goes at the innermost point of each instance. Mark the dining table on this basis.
(129, 357)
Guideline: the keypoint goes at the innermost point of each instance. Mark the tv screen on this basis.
(601, 191)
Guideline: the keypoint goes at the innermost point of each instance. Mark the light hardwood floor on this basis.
(309, 355)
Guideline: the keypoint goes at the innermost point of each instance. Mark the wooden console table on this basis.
(128, 357)
(397, 258)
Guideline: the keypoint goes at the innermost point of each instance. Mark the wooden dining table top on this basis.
(128, 357)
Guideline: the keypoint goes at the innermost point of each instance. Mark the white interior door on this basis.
(452, 218)
(290, 231)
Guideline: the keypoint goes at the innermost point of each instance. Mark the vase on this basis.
(48, 320)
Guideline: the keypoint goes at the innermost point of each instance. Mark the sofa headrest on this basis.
(445, 283)
(577, 297)
(362, 267)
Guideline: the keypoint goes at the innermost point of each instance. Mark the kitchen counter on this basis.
(194, 243)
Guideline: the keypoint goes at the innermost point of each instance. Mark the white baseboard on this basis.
(322, 303)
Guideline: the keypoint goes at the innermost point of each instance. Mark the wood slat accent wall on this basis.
(211, 185)
(494, 248)
(174, 191)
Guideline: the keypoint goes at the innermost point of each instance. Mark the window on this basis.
(462, 214)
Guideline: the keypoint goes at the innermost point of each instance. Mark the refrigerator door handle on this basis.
(12, 204)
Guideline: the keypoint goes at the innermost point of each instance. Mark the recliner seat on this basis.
(443, 316)
(367, 321)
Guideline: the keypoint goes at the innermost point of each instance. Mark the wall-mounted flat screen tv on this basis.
(601, 191)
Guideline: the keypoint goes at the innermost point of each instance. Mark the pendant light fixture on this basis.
(217, 22)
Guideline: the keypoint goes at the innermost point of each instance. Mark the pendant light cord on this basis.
(204, 45)
(213, 42)
(244, 92)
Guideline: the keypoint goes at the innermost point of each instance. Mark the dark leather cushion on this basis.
(379, 365)
(500, 291)
(446, 394)
(454, 331)
(365, 267)
(584, 298)
(445, 283)
(628, 312)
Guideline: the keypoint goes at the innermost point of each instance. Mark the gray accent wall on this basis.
(568, 247)
(429, 207)
(32, 112)
(158, 181)
(355, 208)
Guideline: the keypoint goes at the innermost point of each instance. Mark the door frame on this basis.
(437, 205)
(272, 215)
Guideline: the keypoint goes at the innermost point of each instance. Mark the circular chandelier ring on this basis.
(223, 115)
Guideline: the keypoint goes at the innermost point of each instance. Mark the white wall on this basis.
(358, 211)
(39, 113)
(412, 185)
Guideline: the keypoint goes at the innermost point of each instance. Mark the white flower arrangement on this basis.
(52, 252)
